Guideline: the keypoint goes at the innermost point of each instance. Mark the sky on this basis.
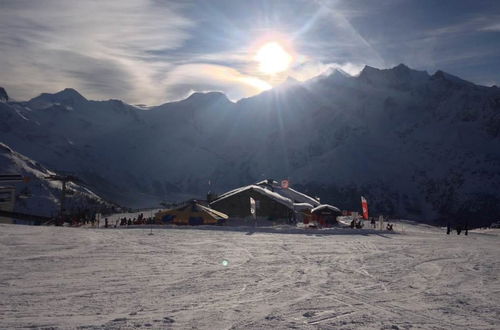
(155, 51)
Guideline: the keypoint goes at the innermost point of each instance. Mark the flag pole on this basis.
(151, 223)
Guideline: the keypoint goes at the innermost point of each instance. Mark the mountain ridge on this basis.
(416, 146)
(71, 93)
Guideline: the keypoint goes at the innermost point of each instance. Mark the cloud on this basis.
(101, 47)
(147, 51)
(495, 27)
(184, 79)
(312, 69)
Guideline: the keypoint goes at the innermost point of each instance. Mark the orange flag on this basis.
(364, 205)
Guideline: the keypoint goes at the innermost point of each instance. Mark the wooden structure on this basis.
(325, 215)
(192, 213)
(269, 205)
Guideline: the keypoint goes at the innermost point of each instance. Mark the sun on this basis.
(273, 58)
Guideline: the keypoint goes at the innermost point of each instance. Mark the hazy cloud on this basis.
(188, 78)
(101, 46)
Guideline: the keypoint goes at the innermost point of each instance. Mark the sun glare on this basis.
(273, 58)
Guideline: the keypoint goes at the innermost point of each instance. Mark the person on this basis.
(373, 222)
(352, 223)
(466, 228)
(105, 222)
(459, 229)
(448, 228)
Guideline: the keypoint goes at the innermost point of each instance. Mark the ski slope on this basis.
(275, 278)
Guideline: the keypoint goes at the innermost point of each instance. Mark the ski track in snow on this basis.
(124, 278)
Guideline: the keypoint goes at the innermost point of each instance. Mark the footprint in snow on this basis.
(167, 319)
(308, 314)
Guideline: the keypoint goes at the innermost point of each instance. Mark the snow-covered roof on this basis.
(297, 196)
(290, 193)
(268, 193)
(187, 206)
(325, 206)
(213, 212)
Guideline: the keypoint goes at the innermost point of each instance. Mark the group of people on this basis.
(125, 222)
(389, 226)
(459, 228)
(357, 223)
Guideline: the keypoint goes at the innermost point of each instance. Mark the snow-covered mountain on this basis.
(41, 196)
(3, 95)
(416, 145)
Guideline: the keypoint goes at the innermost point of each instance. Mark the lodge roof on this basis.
(266, 192)
(325, 206)
(292, 194)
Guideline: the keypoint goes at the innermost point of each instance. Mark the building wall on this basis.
(7, 200)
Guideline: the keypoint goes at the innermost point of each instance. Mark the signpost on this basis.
(381, 222)
(151, 222)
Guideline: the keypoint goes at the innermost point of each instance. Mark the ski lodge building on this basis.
(274, 202)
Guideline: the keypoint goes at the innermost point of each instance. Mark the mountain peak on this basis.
(441, 75)
(401, 66)
(368, 70)
(291, 80)
(70, 93)
(3, 95)
(398, 69)
(399, 77)
(67, 96)
(207, 97)
(340, 72)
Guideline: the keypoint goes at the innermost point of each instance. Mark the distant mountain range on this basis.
(415, 145)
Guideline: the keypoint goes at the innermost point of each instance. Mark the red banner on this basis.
(364, 205)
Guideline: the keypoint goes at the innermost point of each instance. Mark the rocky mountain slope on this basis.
(416, 145)
(40, 196)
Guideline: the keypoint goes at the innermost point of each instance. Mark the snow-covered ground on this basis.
(274, 278)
